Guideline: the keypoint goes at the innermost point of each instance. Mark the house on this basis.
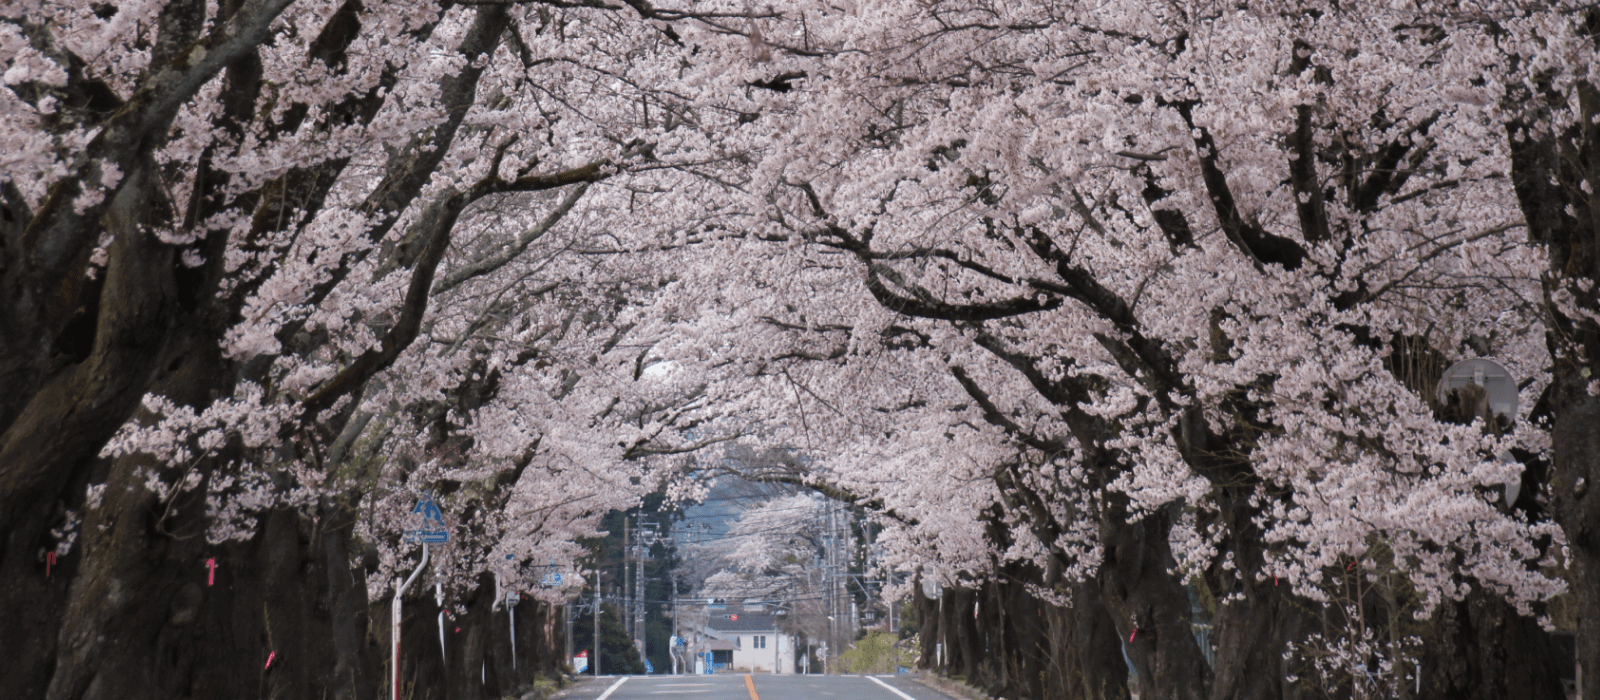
(731, 624)
(757, 644)
(721, 651)
(734, 636)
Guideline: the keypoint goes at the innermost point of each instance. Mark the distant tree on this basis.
(618, 654)
(876, 652)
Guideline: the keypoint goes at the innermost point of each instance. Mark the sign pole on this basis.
(394, 618)
(432, 532)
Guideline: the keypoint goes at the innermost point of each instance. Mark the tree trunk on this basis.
(467, 642)
(1035, 649)
(1149, 605)
(357, 654)
(31, 601)
(1483, 650)
(1555, 176)
(1052, 652)
(1092, 663)
(48, 446)
(961, 649)
(1575, 452)
(550, 654)
(502, 674)
(931, 629)
(1263, 619)
(1252, 635)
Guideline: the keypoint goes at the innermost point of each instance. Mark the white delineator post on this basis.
(438, 597)
(394, 618)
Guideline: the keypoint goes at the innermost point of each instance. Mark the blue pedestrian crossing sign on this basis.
(431, 529)
(552, 577)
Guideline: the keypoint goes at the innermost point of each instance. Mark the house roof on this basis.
(747, 622)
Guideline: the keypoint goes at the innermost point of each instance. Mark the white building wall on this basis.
(777, 657)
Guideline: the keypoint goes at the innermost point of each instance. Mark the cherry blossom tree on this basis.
(326, 257)
(1207, 264)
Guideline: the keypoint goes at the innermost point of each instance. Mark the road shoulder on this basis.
(952, 688)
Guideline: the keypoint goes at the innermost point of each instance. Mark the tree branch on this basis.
(928, 307)
(995, 417)
(484, 266)
(56, 239)
(1262, 247)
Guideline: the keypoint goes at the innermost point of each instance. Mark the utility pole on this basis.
(627, 552)
(644, 536)
(638, 598)
(833, 594)
(847, 531)
(597, 623)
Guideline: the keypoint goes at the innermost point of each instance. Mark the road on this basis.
(753, 687)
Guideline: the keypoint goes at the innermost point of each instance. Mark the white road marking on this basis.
(612, 689)
(891, 688)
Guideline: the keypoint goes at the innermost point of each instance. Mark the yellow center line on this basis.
(751, 684)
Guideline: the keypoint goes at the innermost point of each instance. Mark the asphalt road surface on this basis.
(753, 687)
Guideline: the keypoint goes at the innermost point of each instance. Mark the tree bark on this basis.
(1091, 658)
(1149, 605)
(1575, 451)
(1254, 629)
(1482, 649)
(467, 644)
(1027, 647)
(1556, 177)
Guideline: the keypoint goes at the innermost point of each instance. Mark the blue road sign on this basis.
(432, 530)
(552, 577)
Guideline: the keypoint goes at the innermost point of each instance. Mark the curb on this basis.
(571, 686)
(949, 687)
